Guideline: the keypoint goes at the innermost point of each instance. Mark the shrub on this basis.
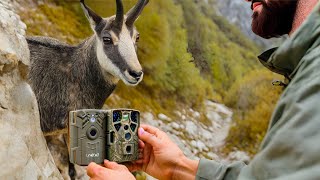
(253, 99)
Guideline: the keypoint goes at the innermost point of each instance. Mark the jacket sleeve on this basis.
(211, 170)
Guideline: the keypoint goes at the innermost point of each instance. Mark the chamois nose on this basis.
(136, 75)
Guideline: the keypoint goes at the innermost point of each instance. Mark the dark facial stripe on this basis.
(112, 51)
(114, 55)
(131, 30)
(99, 28)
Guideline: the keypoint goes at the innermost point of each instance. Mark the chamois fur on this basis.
(66, 78)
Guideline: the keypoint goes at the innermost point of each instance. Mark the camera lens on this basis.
(134, 116)
(126, 127)
(127, 136)
(92, 133)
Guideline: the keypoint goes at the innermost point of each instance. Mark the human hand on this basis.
(111, 171)
(162, 158)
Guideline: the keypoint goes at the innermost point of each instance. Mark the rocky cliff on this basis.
(23, 153)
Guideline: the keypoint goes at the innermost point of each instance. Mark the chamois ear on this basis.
(93, 18)
(134, 13)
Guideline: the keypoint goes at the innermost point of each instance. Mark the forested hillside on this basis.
(189, 54)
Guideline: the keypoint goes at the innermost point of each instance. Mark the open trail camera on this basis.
(95, 135)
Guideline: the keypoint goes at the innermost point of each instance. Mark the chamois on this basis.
(66, 78)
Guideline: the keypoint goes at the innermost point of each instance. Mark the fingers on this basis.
(114, 165)
(110, 171)
(95, 170)
(141, 144)
(91, 169)
(151, 129)
(134, 166)
(148, 138)
(140, 153)
(147, 153)
(140, 161)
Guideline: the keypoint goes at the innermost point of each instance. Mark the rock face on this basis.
(23, 153)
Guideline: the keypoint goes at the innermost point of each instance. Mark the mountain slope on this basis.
(220, 51)
(189, 54)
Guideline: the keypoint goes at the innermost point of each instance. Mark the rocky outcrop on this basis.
(23, 153)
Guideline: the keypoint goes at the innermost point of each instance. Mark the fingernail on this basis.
(141, 131)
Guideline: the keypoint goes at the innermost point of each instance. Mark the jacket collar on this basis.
(285, 59)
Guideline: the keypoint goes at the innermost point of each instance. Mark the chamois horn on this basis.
(134, 13)
(119, 14)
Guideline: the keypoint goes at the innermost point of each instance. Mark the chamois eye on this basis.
(107, 40)
(137, 38)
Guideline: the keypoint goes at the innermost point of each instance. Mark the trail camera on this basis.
(95, 135)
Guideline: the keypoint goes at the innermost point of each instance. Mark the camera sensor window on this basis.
(117, 116)
(128, 149)
(134, 116)
(133, 127)
(127, 136)
(117, 126)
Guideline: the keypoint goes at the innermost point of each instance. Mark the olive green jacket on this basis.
(291, 148)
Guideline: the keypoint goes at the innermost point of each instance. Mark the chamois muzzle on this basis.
(136, 75)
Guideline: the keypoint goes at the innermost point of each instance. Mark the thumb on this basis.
(113, 165)
(148, 138)
(93, 169)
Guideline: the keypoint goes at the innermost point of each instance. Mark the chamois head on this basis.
(117, 40)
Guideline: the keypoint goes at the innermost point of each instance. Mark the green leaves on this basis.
(253, 99)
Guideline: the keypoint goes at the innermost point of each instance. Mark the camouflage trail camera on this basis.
(95, 135)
